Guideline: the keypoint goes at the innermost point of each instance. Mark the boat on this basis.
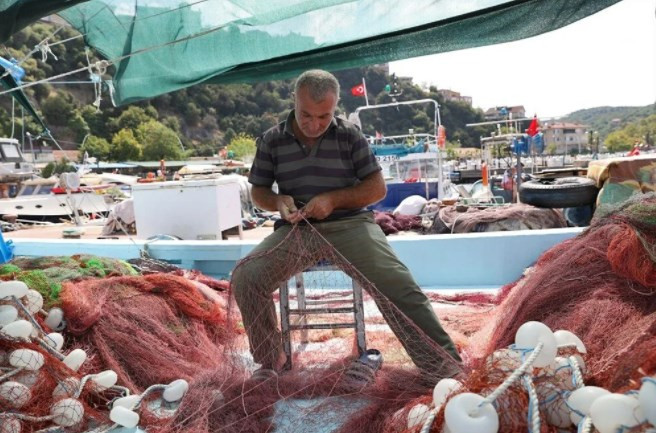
(44, 199)
(413, 163)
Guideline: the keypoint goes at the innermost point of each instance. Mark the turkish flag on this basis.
(357, 90)
(533, 127)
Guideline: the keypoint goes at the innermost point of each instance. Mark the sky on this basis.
(608, 58)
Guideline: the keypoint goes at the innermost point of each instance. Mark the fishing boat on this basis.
(413, 163)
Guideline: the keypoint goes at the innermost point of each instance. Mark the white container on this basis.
(191, 209)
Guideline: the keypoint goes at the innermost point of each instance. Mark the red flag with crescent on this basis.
(357, 90)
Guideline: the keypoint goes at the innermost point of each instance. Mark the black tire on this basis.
(559, 193)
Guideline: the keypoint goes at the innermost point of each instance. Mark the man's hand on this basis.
(287, 208)
(320, 207)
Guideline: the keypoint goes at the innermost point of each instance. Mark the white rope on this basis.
(13, 116)
(576, 371)
(514, 376)
(534, 404)
(44, 47)
(585, 426)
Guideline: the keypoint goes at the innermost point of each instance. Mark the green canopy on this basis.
(159, 46)
(16, 14)
(8, 83)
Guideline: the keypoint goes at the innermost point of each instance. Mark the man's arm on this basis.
(371, 190)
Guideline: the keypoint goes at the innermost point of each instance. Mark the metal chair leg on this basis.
(284, 324)
(300, 299)
(358, 313)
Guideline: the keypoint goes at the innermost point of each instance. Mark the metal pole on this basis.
(366, 97)
(519, 173)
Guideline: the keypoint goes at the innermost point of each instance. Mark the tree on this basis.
(58, 109)
(125, 146)
(159, 142)
(551, 149)
(242, 146)
(96, 147)
(619, 141)
(133, 117)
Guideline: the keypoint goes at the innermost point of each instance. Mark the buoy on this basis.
(14, 393)
(26, 358)
(175, 390)
(17, 289)
(443, 389)
(124, 417)
(67, 412)
(417, 415)
(464, 414)
(530, 334)
(612, 412)
(17, 329)
(647, 399)
(580, 401)
(54, 340)
(66, 388)
(75, 359)
(104, 380)
(567, 338)
(8, 313)
(33, 301)
(127, 402)
(10, 424)
(54, 318)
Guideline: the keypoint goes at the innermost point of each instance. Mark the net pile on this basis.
(159, 328)
(600, 285)
(46, 274)
(391, 224)
(468, 219)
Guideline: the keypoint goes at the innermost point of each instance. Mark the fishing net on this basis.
(158, 328)
(468, 219)
(46, 274)
(600, 285)
(391, 224)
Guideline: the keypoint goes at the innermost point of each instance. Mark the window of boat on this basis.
(10, 152)
(44, 190)
(27, 190)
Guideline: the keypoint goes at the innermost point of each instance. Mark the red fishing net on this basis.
(158, 328)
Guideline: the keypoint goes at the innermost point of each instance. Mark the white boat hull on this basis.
(53, 205)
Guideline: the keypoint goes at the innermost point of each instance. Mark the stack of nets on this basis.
(468, 219)
(600, 285)
(159, 327)
(46, 274)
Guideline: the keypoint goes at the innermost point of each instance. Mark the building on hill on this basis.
(450, 95)
(505, 112)
(566, 136)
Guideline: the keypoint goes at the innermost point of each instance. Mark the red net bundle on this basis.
(150, 329)
(601, 286)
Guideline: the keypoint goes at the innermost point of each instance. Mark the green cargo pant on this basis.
(361, 241)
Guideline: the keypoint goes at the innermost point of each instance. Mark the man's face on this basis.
(313, 118)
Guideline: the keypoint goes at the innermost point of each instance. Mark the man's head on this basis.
(315, 97)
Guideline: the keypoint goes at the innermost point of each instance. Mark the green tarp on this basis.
(178, 44)
(16, 14)
(159, 46)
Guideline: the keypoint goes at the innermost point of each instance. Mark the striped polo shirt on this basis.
(341, 158)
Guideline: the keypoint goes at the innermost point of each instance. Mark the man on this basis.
(326, 173)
